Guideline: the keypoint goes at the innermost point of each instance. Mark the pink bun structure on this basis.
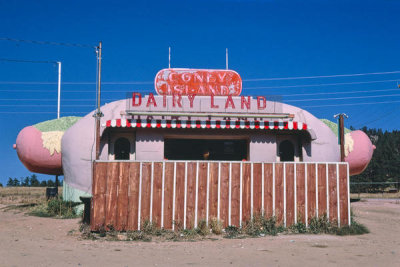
(360, 154)
(34, 156)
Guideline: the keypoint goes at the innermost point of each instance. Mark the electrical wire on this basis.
(27, 61)
(45, 42)
(351, 104)
(341, 98)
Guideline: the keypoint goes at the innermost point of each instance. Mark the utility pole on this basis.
(341, 133)
(98, 114)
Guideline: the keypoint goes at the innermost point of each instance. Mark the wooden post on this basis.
(98, 114)
(341, 134)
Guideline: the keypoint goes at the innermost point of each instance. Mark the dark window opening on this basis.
(122, 149)
(286, 151)
(204, 149)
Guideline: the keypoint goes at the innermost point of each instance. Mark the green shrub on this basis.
(216, 226)
(232, 231)
(202, 228)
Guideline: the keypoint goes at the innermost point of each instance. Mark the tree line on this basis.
(384, 165)
(31, 181)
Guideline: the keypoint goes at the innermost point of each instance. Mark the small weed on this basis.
(202, 228)
(56, 207)
(216, 226)
(232, 231)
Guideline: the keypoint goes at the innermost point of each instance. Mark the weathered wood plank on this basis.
(145, 194)
(300, 192)
(179, 194)
(157, 193)
(224, 197)
(98, 200)
(122, 197)
(133, 196)
(246, 197)
(311, 188)
(322, 205)
(191, 194)
(111, 195)
(289, 194)
(235, 195)
(168, 194)
(268, 202)
(257, 190)
(332, 193)
(213, 201)
(343, 198)
(279, 192)
(202, 192)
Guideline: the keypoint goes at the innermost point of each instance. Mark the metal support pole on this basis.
(98, 114)
(341, 134)
(59, 90)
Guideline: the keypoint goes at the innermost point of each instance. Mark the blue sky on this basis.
(266, 39)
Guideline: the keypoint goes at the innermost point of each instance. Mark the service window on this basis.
(205, 149)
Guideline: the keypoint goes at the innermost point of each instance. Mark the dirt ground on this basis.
(34, 241)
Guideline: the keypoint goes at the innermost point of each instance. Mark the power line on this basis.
(27, 61)
(45, 42)
(351, 104)
(340, 98)
(322, 76)
(317, 85)
(344, 92)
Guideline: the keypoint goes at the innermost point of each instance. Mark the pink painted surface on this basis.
(361, 155)
(198, 82)
(34, 156)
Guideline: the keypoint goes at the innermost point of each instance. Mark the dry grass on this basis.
(23, 195)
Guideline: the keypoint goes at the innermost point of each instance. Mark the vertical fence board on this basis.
(246, 195)
(235, 201)
(257, 190)
(111, 195)
(289, 194)
(122, 197)
(301, 196)
(191, 194)
(224, 197)
(322, 205)
(168, 194)
(133, 195)
(311, 187)
(332, 192)
(179, 194)
(344, 219)
(202, 192)
(145, 194)
(213, 201)
(279, 192)
(157, 193)
(268, 209)
(99, 200)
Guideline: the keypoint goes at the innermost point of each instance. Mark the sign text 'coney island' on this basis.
(198, 81)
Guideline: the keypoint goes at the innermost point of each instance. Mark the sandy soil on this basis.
(34, 241)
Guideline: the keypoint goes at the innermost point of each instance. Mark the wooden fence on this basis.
(171, 193)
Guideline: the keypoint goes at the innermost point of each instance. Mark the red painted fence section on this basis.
(181, 193)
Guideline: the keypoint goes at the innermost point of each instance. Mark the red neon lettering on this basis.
(212, 102)
(186, 77)
(151, 100)
(264, 102)
(191, 99)
(229, 100)
(221, 76)
(177, 101)
(170, 76)
(243, 102)
(134, 95)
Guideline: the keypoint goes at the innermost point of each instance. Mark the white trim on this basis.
(338, 194)
(151, 192)
(219, 192)
(140, 194)
(284, 194)
(173, 198)
(327, 191)
(295, 192)
(197, 195)
(162, 195)
(305, 198)
(348, 195)
(185, 198)
(262, 188)
(241, 194)
(230, 195)
(208, 192)
(273, 189)
(316, 190)
(251, 192)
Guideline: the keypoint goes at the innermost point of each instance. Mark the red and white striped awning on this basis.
(207, 124)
